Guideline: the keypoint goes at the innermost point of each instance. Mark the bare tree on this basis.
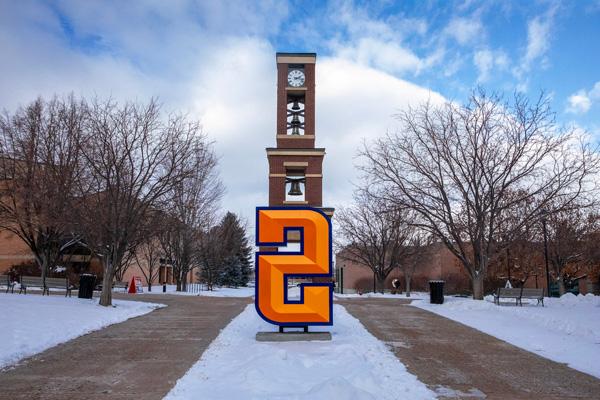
(39, 168)
(210, 254)
(567, 231)
(178, 243)
(460, 166)
(417, 254)
(520, 259)
(192, 205)
(518, 246)
(133, 159)
(147, 257)
(592, 253)
(373, 234)
(128, 258)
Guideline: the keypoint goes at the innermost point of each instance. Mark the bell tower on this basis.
(296, 165)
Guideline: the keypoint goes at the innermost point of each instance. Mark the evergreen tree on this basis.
(210, 257)
(232, 272)
(245, 257)
(236, 253)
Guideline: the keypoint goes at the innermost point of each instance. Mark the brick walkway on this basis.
(141, 358)
(461, 362)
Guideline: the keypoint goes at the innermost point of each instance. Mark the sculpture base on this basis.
(292, 336)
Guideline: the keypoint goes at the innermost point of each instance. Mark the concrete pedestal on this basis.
(292, 336)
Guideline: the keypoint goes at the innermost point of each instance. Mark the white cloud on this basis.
(388, 56)
(356, 103)
(357, 22)
(226, 79)
(595, 92)
(539, 34)
(464, 30)
(487, 60)
(581, 101)
(351, 32)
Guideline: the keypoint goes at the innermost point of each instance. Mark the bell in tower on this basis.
(295, 189)
(295, 115)
(295, 118)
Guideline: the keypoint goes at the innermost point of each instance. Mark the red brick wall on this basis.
(441, 264)
(13, 251)
(296, 142)
(315, 163)
(309, 110)
(313, 185)
(281, 99)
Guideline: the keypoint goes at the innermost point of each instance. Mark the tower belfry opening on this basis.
(295, 115)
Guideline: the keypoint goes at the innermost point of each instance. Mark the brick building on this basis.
(15, 253)
(439, 264)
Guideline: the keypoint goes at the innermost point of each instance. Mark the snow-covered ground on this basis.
(353, 366)
(216, 292)
(566, 330)
(33, 323)
(413, 296)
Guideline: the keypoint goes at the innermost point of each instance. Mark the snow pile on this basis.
(33, 323)
(566, 330)
(229, 292)
(216, 292)
(353, 366)
(370, 295)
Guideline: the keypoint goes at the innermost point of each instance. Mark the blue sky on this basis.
(525, 46)
(215, 61)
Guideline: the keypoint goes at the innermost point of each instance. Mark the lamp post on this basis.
(544, 213)
(374, 281)
(342, 278)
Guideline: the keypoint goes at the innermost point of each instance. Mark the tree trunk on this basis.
(178, 281)
(407, 279)
(184, 282)
(106, 295)
(209, 280)
(380, 284)
(477, 282)
(44, 268)
(561, 286)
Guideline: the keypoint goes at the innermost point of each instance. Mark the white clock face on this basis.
(296, 78)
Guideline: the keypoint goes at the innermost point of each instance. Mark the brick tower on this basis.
(296, 165)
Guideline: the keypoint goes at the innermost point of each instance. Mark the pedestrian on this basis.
(396, 285)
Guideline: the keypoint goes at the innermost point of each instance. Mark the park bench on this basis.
(51, 283)
(120, 285)
(519, 294)
(10, 285)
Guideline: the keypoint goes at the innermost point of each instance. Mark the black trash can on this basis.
(436, 292)
(86, 286)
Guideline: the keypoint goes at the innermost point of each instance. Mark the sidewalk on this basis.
(459, 362)
(141, 358)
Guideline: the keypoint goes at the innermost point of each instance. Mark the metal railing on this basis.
(195, 287)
